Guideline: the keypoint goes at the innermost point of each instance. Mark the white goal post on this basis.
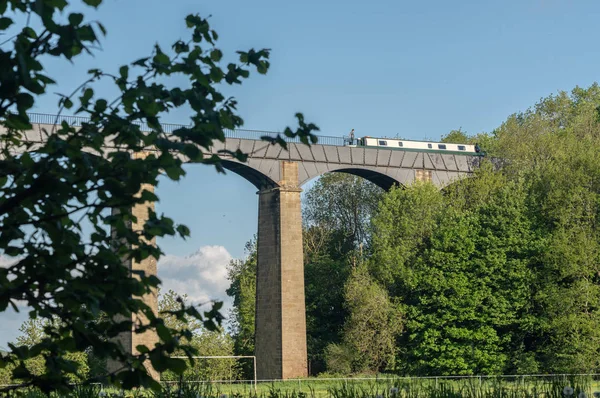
(225, 357)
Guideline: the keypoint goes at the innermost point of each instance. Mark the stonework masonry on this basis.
(423, 175)
(280, 346)
(130, 340)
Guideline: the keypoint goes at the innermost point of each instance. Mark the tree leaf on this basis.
(5, 22)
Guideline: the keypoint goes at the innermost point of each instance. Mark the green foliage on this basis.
(560, 141)
(498, 273)
(94, 173)
(209, 343)
(33, 333)
(341, 204)
(373, 323)
(205, 342)
(242, 275)
(401, 233)
(471, 285)
(457, 137)
(460, 266)
(169, 303)
(325, 310)
(337, 213)
(339, 358)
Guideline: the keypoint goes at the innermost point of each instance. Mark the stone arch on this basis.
(383, 181)
(259, 179)
(380, 176)
(384, 177)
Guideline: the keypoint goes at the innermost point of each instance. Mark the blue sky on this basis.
(383, 67)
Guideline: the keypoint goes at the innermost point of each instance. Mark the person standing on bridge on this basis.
(352, 137)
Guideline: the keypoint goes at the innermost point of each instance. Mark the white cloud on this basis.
(201, 275)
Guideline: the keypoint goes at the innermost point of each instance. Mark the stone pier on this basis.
(280, 345)
(149, 338)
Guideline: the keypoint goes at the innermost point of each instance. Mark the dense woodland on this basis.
(495, 274)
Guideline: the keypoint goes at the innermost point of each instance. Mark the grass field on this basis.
(394, 387)
(443, 387)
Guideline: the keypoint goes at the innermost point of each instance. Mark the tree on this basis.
(325, 309)
(169, 303)
(405, 220)
(87, 172)
(460, 263)
(242, 275)
(499, 273)
(214, 343)
(554, 147)
(471, 307)
(371, 328)
(338, 358)
(32, 333)
(487, 142)
(456, 137)
(337, 213)
(341, 205)
(206, 342)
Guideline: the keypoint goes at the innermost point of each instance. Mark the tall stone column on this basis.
(129, 340)
(280, 343)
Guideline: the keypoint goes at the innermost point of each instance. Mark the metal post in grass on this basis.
(254, 361)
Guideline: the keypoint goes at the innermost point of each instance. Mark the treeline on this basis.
(497, 273)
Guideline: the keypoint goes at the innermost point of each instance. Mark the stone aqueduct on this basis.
(278, 175)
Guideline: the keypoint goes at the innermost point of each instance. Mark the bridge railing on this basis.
(257, 134)
(43, 118)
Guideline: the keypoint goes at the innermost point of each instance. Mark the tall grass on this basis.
(493, 387)
(469, 388)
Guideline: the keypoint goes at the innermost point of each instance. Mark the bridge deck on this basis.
(381, 165)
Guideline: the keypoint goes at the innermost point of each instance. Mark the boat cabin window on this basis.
(383, 143)
(462, 148)
(400, 144)
(429, 146)
(441, 146)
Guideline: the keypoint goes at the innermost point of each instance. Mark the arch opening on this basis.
(381, 180)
